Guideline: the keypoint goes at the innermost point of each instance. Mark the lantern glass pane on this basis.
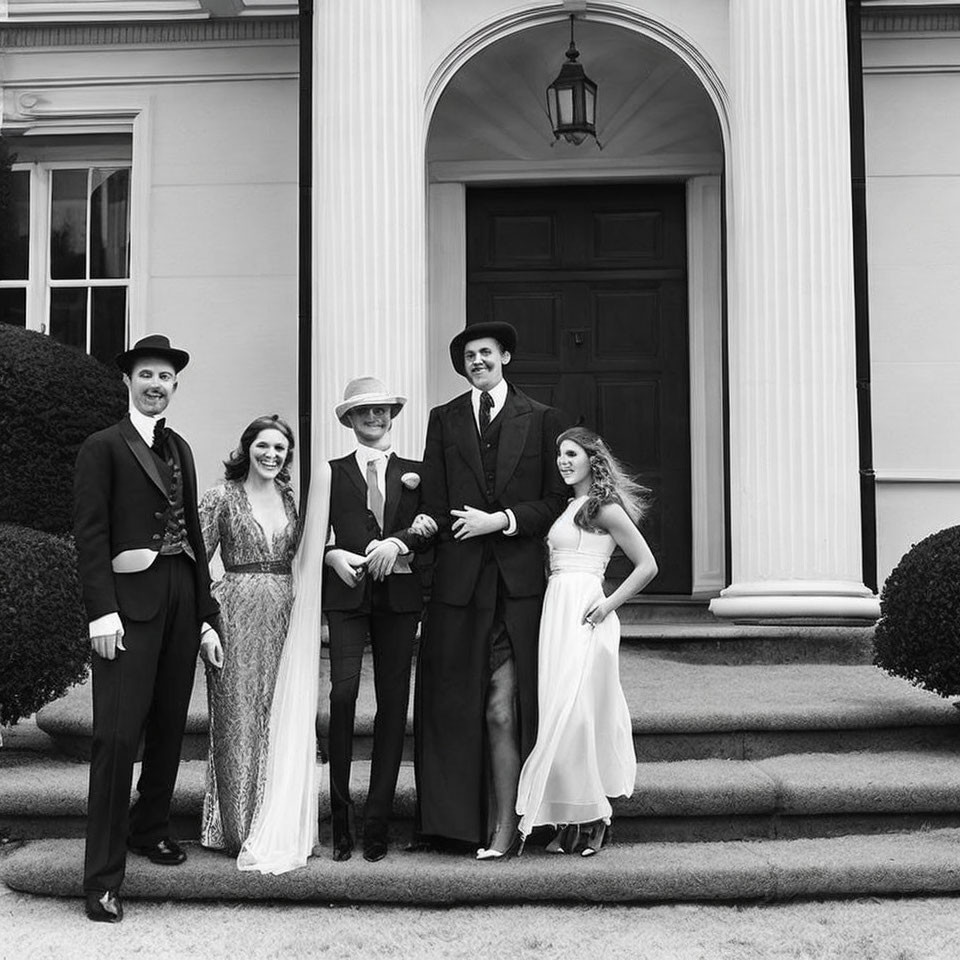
(565, 106)
(552, 106)
(591, 105)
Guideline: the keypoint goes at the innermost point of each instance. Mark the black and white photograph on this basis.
(479, 479)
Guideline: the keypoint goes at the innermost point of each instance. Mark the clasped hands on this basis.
(351, 568)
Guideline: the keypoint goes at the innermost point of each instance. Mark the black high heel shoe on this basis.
(594, 837)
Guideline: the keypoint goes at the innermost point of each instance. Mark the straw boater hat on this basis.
(504, 333)
(155, 345)
(367, 392)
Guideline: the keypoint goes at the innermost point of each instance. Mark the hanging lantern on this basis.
(572, 100)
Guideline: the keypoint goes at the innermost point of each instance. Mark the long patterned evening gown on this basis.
(584, 750)
(255, 597)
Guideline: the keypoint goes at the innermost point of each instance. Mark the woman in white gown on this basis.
(584, 750)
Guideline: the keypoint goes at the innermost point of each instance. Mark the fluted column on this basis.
(795, 511)
(368, 212)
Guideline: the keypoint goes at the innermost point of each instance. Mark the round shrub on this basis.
(52, 397)
(918, 635)
(44, 649)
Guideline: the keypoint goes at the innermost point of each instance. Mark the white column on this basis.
(368, 213)
(794, 503)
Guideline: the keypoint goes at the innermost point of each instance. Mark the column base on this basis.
(797, 601)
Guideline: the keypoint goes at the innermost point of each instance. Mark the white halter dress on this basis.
(584, 750)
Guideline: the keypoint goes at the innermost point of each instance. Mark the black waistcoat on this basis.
(175, 538)
(489, 447)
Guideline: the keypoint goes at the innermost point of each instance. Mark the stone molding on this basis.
(152, 33)
(896, 20)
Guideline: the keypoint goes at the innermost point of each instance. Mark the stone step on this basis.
(663, 609)
(621, 873)
(721, 642)
(694, 800)
(681, 710)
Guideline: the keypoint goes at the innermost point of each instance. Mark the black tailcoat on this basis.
(121, 498)
(474, 582)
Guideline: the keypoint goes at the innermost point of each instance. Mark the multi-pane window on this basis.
(66, 258)
(14, 247)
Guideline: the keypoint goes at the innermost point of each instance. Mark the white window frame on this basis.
(39, 283)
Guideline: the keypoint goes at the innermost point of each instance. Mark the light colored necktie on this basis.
(374, 495)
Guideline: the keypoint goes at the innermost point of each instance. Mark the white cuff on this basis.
(404, 549)
(205, 628)
(106, 626)
(511, 530)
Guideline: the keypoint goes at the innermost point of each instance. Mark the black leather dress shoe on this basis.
(167, 852)
(374, 840)
(341, 821)
(374, 847)
(104, 907)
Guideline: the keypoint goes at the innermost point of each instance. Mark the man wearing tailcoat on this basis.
(492, 487)
(146, 588)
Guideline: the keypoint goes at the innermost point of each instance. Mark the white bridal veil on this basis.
(284, 830)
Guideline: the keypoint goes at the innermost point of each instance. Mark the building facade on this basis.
(696, 284)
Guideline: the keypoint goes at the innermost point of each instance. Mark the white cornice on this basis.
(267, 8)
(94, 10)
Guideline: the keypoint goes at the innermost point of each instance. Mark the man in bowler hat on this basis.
(491, 485)
(146, 588)
(374, 498)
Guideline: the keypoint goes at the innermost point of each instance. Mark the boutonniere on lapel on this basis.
(410, 480)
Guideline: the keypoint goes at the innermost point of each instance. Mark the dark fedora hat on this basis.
(155, 345)
(504, 333)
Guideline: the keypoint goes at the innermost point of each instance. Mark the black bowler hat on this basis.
(504, 333)
(156, 345)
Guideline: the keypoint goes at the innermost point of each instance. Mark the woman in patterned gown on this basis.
(252, 518)
(584, 750)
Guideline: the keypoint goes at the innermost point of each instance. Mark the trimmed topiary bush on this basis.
(44, 648)
(918, 635)
(52, 397)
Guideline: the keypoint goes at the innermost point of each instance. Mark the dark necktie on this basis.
(374, 496)
(159, 437)
(486, 405)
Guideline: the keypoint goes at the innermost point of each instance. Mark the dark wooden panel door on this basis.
(594, 279)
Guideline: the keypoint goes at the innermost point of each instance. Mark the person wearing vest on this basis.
(492, 487)
(146, 589)
(374, 498)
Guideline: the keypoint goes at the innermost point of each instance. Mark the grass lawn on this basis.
(906, 929)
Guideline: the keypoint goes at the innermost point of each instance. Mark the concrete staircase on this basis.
(774, 761)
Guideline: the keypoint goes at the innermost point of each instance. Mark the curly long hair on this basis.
(609, 480)
(239, 463)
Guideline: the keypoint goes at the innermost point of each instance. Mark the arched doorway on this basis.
(608, 261)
